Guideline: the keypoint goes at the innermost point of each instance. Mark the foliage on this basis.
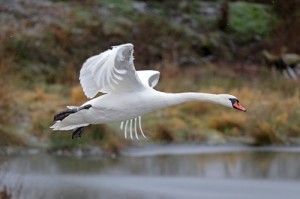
(251, 21)
(60, 41)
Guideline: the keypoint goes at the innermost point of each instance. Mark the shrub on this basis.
(251, 20)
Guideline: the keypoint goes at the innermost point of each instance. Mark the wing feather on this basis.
(149, 77)
(110, 71)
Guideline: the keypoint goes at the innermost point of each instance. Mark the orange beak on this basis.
(239, 107)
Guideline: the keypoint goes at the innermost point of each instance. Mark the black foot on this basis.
(84, 107)
(77, 132)
(62, 115)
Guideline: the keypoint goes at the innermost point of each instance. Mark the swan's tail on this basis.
(69, 119)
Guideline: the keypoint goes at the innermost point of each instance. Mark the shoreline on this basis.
(149, 150)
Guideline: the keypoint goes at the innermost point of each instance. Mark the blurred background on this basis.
(249, 48)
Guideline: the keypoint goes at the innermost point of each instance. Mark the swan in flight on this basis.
(129, 94)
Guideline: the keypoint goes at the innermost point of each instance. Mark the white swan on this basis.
(129, 94)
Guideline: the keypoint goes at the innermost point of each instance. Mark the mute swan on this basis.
(129, 94)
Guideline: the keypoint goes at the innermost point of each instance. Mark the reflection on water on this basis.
(44, 176)
(270, 165)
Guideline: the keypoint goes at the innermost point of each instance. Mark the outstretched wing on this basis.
(110, 71)
(148, 77)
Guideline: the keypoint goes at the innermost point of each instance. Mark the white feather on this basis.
(140, 124)
(136, 134)
(121, 126)
(107, 72)
(125, 132)
(131, 129)
(72, 107)
(149, 77)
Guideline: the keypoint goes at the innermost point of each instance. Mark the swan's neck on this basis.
(179, 98)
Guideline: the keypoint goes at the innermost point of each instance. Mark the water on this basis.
(158, 172)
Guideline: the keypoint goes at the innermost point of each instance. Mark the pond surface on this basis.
(160, 172)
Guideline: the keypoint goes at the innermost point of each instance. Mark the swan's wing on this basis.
(110, 71)
(148, 77)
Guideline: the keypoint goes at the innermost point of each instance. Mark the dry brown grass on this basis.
(163, 133)
(11, 139)
(271, 117)
(265, 134)
(77, 95)
(4, 194)
(6, 102)
(232, 124)
(34, 110)
(7, 111)
(195, 109)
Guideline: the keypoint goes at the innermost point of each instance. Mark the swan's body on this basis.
(130, 93)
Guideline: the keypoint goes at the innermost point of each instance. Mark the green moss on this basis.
(251, 20)
(119, 7)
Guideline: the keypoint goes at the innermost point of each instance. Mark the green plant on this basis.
(251, 20)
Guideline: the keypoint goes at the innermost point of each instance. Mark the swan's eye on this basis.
(234, 100)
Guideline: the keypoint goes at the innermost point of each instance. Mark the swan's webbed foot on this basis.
(77, 132)
(62, 115)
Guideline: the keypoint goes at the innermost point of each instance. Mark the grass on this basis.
(11, 139)
(271, 118)
(229, 123)
(7, 110)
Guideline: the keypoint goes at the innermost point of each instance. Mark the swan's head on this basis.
(124, 53)
(230, 101)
